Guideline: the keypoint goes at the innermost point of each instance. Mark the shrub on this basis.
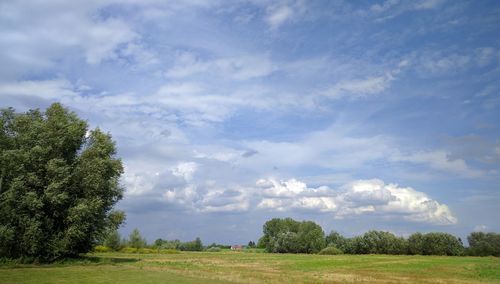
(330, 251)
(214, 249)
(113, 240)
(129, 250)
(195, 245)
(102, 249)
(148, 250)
(136, 240)
(168, 251)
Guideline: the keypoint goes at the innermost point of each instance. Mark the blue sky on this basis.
(358, 115)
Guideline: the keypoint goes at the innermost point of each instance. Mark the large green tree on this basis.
(59, 182)
(290, 236)
(484, 244)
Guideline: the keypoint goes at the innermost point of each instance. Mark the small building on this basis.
(236, 247)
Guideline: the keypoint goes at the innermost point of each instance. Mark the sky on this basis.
(358, 115)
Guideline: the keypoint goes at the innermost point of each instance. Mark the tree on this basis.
(251, 244)
(381, 242)
(441, 244)
(290, 236)
(416, 244)
(311, 237)
(195, 245)
(484, 244)
(336, 240)
(58, 184)
(113, 240)
(135, 239)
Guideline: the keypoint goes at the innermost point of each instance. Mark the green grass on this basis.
(255, 267)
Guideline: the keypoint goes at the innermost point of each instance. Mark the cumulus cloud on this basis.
(356, 198)
(185, 170)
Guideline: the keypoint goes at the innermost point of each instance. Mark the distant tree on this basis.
(288, 235)
(251, 244)
(416, 244)
(58, 184)
(113, 240)
(135, 240)
(287, 242)
(198, 245)
(311, 237)
(195, 245)
(484, 244)
(336, 240)
(442, 244)
(158, 243)
(380, 242)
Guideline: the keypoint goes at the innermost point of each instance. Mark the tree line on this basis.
(291, 236)
(135, 241)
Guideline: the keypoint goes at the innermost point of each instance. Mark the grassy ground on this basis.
(244, 267)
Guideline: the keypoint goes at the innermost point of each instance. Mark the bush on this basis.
(102, 249)
(168, 251)
(214, 249)
(334, 239)
(330, 251)
(136, 240)
(148, 250)
(195, 245)
(113, 240)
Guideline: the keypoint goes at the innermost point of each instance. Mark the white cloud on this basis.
(278, 15)
(438, 160)
(60, 29)
(359, 88)
(48, 89)
(386, 5)
(185, 170)
(427, 4)
(356, 198)
(139, 183)
(480, 228)
(284, 12)
(239, 68)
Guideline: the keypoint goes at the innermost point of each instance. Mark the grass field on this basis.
(244, 267)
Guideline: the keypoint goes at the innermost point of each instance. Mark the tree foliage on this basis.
(58, 184)
(484, 244)
(290, 236)
(135, 240)
(113, 240)
(195, 245)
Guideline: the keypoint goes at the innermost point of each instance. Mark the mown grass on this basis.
(251, 267)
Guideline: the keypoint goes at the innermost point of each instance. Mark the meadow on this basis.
(255, 267)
